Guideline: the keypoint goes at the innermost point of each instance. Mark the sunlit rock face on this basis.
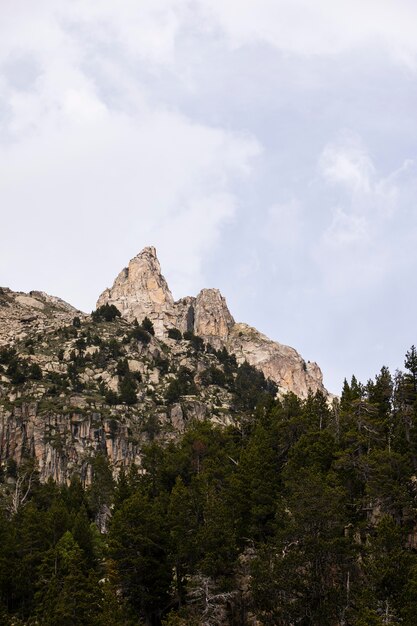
(141, 290)
(280, 363)
(213, 320)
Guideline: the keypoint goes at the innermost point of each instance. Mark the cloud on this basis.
(360, 247)
(93, 166)
(320, 28)
(346, 162)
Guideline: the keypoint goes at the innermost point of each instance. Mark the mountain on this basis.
(140, 290)
(187, 489)
(73, 386)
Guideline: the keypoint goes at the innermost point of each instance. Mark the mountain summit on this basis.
(140, 290)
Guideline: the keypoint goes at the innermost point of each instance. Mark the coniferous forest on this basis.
(305, 513)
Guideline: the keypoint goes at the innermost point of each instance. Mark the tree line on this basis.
(300, 513)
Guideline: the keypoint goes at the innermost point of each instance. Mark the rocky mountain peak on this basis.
(141, 290)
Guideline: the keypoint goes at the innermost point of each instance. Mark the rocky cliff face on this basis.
(212, 321)
(141, 290)
(61, 390)
(278, 362)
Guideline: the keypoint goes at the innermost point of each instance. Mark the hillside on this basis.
(73, 384)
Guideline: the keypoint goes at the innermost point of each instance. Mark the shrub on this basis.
(35, 372)
(111, 397)
(162, 364)
(196, 341)
(148, 326)
(122, 367)
(174, 333)
(213, 376)
(16, 372)
(181, 386)
(106, 313)
(128, 390)
(6, 355)
(140, 334)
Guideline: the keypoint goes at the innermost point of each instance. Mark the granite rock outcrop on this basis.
(141, 290)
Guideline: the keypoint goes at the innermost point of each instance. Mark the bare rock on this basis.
(213, 321)
(141, 291)
(280, 363)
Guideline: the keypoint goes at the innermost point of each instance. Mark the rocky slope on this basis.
(84, 386)
(74, 385)
(140, 290)
(23, 315)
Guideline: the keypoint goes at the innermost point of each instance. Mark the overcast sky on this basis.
(265, 147)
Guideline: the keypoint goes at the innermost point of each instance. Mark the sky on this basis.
(265, 147)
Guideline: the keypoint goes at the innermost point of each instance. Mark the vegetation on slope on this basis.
(292, 512)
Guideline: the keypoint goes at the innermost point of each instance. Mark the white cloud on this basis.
(358, 249)
(323, 27)
(346, 231)
(105, 172)
(346, 162)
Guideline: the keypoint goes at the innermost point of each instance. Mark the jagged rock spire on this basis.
(140, 290)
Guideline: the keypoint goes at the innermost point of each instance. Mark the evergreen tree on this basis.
(148, 326)
(138, 544)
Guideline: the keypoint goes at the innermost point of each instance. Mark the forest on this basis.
(304, 512)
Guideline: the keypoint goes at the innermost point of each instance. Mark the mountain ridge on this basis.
(140, 290)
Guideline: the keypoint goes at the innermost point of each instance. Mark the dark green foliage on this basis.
(68, 332)
(113, 348)
(128, 388)
(138, 544)
(73, 376)
(16, 371)
(35, 372)
(182, 385)
(11, 468)
(213, 376)
(148, 326)
(310, 508)
(122, 368)
(7, 355)
(111, 397)
(76, 322)
(173, 392)
(228, 360)
(196, 341)
(105, 313)
(140, 334)
(162, 364)
(251, 386)
(174, 333)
